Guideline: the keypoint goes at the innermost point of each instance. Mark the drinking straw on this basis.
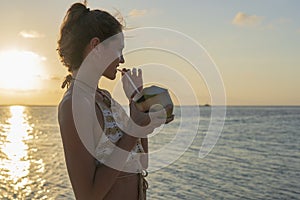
(130, 80)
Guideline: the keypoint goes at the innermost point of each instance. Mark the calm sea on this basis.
(256, 157)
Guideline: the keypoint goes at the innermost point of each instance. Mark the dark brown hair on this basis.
(79, 26)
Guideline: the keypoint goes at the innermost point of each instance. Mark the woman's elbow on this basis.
(144, 161)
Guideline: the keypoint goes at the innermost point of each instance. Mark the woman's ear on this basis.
(94, 42)
(90, 46)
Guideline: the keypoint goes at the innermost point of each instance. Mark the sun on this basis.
(20, 70)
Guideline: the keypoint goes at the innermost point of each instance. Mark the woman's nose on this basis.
(122, 60)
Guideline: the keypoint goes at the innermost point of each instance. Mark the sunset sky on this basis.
(255, 45)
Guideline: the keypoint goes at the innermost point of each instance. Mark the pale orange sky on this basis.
(255, 48)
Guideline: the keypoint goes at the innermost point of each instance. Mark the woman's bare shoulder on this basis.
(70, 109)
(65, 107)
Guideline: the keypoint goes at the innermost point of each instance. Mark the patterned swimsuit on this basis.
(112, 135)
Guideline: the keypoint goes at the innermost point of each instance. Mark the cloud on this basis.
(31, 34)
(56, 78)
(50, 77)
(137, 13)
(242, 19)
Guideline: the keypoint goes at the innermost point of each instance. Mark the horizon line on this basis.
(201, 105)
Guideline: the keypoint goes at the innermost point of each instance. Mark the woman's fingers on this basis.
(140, 74)
(169, 119)
(134, 72)
(162, 114)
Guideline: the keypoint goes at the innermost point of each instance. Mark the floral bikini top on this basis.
(113, 133)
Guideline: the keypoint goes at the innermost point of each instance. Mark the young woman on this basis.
(91, 174)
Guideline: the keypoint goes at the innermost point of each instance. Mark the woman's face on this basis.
(117, 49)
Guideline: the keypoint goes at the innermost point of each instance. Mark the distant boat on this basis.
(205, 105)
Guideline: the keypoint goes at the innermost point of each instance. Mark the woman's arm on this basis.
(88, 182)
(145, 157)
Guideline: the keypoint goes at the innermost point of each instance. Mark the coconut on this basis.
(154, 98)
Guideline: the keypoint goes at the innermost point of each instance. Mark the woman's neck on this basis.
(88, 79)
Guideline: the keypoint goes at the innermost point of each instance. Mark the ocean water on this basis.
(256, 157)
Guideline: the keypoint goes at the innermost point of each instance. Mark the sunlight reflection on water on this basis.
(15, 164)
(31, 155)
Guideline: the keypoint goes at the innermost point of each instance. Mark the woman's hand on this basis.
(144, 123)
(132, 81)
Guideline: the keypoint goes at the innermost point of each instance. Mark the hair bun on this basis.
(77, 6)
(76, 11)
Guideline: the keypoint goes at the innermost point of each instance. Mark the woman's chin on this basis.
(110, 77)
